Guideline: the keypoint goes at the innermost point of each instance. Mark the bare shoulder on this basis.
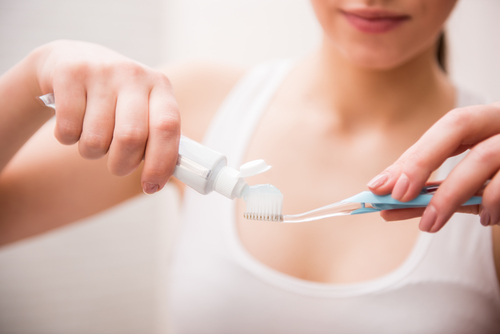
(200, 88)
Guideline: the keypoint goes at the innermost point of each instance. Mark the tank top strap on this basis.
(232, 127)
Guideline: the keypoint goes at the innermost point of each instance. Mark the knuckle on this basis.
(132, 69)
(459, 118)
(103, 70)
(484, 154)
(130, 136)
(495, 143)
(491, 198)
(77, 69)
(94, 143)
(68, 131)
(167, 123)
(121, 169)
(415, 159)
(443, 202)
(162, 79)
(414, 165)
(159, 172)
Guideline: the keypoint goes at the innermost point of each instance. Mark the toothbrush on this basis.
(206, 170)
(364, 202)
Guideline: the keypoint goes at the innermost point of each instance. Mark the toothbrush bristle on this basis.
(264, 202)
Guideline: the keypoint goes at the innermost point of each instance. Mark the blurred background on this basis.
(108, 273)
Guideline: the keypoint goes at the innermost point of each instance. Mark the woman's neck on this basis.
(360, 96)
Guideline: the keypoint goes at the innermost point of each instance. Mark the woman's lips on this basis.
(374, 21)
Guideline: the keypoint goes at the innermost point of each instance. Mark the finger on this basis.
(130, 132)
(457, 130)
(401, 214)
(98, 124)
(469, 209)
(490, 213)
(163, 140)
(70, 110)
(464, 181)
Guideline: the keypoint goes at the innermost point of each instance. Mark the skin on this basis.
(352, 97)
(318, 109)
(53, 180)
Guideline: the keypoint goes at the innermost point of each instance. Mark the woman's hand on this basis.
(476, 128)
(112, 105)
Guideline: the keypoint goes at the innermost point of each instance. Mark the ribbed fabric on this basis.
(447, 284)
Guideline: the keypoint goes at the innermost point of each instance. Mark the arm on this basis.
(45, 184)
(21, 114)
(111, 106)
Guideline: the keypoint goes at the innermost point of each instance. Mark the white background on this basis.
(107, 274)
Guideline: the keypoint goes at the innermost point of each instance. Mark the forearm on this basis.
(21, 114)
(108, 105)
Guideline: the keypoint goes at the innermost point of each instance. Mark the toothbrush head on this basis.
(264, 202)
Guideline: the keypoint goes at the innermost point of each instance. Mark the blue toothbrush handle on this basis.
(386, 202)
(419, 202)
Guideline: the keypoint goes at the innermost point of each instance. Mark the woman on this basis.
(327, 124)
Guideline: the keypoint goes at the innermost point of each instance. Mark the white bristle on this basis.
(264, 202)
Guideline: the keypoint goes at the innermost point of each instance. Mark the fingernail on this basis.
(401, 187)
(378, 180)
(485, 217)
(149, 188)
(428, 219)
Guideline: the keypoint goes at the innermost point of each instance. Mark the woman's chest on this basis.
(313, 167)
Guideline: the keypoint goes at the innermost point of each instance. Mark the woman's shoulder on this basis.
(200, 88)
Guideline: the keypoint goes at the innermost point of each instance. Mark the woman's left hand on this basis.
(476, 128)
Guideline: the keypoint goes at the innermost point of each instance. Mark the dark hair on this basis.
(441, 51)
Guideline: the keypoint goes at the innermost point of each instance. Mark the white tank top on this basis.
(447, 284)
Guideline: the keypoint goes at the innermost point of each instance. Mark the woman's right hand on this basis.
(474, 128)
(112, 105)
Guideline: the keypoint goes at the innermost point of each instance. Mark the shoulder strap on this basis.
(234, 123)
